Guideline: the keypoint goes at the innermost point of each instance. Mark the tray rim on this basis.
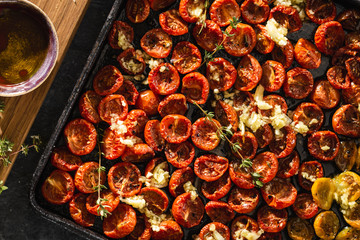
(80, 83)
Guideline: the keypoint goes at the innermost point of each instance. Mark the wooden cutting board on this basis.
(20, 112)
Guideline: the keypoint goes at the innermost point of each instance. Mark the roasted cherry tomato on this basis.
(113, 107)
(204, 134)
(347, 155)
(112, 201)
(192, 10)
(289, 165)
(248, 145)
(274, 100)
(142, 230)
(88, 105)
(347, 186)
(195, 87)
(169, 230)
(271, 219)
(270, 236)
(325, 95)
(352, 40)
(326, 225)
(139, 152)
(337, 77)
(178, 178)
(219, 211)
(209, 231)
(120, 31)
(304, 206)
(186, 211)
(164, 79)
(160, 4)
(216, 189)
(352, 217)
(223, 11)
(244, 224)
(273, 75)
(324, 145)
(135, 122)
(306, 54)
(351, 95)
(208, 36)
(249, 73)
(243, 99)
(278, 193)
(152, 135)
(341, 55)
(353, 67)
(310, 114)
(111, 145)
(264, 135)
(157, 43)
(186, 57)
(221, 74)
(299, 83)
(329, 37)
(157, 173)
(346, 120)
(172, 23)
(240, 40)
(123, 179)
(300, 229)
(348, 233)
(349, 19)
(63, 159)
(131, 62)
(283, 145)
(129, 91)
(108, 80)
(255, 11)
(173, 104)
(308, 173)
(149, 102)
(137, 11)
(244, 200)
(264, 43)
(78, 211)
(58, 188)
(287, 16)
(87, 177)
(121, 222)
(226, 115)
(156, 200)
(180, 155)
(210, 167)
(284, 54)
(175, 128)
(323, 191)
(320, 11)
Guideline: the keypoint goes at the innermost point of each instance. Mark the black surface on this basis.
(18, 220)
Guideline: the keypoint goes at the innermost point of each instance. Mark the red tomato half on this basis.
(219, 211)
(195, 87)
(112, 201)
(244, 200)
(271, 219)
(204, 134)
(180, 155)
(220, 228)
(223, 11)
(113, 107)
(121, 222)
(264, 43)
(157, 43)
(287, 16)
(108, 80)
(284, 54)
(353, 67)
(148, 101)
(111, 145)
(273, 75)
(299, 83)
(351, 95)
(58, 188)
(264, 135)
(78, 211)
(279, 193)
(310, 114)
(186, 57)
(63, 159)
(178, 178)
(142, 230)
(187, 212)
(346, 120)
(248, 145)
(129, 91)
(160, 4)
(121, 29)
(172, 23)
(221, 74)
(173, 104)
(210, 167)
(137, 11)
(226, 115)
(88, 105)
(164, 79)
(320, 11)
(192, 10)
(289, 165)
(123, 179)
(308, 173)
(337, 77)
(242, 223)
(306, 54)
(131, 62)
(329, 37)
(152, 135)
(240, 41)
(305, 206)
(255, 11)
(168, 230)
(208, 36)
(87, 177)
(216, 189)
(156, 200)
(324, 145)
(349, 19)
(325, 95)
(140, 152)
(175, 128)
(283, 145)
(249, 73)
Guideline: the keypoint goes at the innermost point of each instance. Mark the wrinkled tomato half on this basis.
(112, 201)
(172, 23)
(264, 135)
(323, 191)
(208, 36)
(336, 75)
(192, 10)
(240, 40)
(349, 19)
(274, 100)
(142, 230)
(326, 225)
(178, 178)
(347, 155)
(289, 165)
(299, 83)
(352, 40)
(210, 167)
(88, 105)
(175, 128)
(300, 229)
(204, 134)
(120, 30)
(111, 145)
(286, 16)
(173, 104)
(353, 68)
(255, 11)
(310, 114)
(323, 145)
(135, 122)
(320, 11)
(78, 211)
(153, 137)
(264, 43)
(113, 107)
(123, 179)
(329, 37)
(351, 95)
(325, 95)
(283, 145)
(186, 57)
(180, 155)
(219, 211)
(341, 55)
(187, 212)
(209, 229)
(58, 188)
(243, 99)
(226, 115)
(279, 193)
(221, 74)
(243, 224)
(156, 200)
(195, 87)
(284, 54)
(248, 145)
(87, 177)
(244, 200)
(216, 189)
(156, 5)
(249, 73)
(129, 91)
(108, 80)
(138, 153)
(223, 11)
(308, 173)
(131, 62)
(164, 79)
(273, 75)
(271, 219)
(148, 101)
(155, 168)
(168, 230)
(63, 159)
(305, 207)
(346, 121)
(306, 54)
(137, 11)
(156, 43)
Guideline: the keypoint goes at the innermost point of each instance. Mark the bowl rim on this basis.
(12, 90)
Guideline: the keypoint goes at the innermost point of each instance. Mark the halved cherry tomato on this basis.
(178, 178)
(264, 135)
(210, 167)
(148, 101)
(337, 77)
(326, 225)
(78, 211)
(112, 201)
(347, 155)
(204, 134)
(131, 62)
(157, 43)
(278, 193)
(255, 11)
(113, 107)
(172, 23)
(274, 100)
(240, 41)
(195, 87)
(346, 120)
(244, 200)
(164, 79)
(299, 83)
(300, 229)
(135, 122)
(347, 186)
(284, 54)
(323, 145)
(226, 115)
(152, 135)
(289, 165)
(122, 30)
(329, 37)
(352, 40)
(160, 4)
(156, 200)
(169, 230)
(87, 177)
(208, 231)
(310, 114)
(341, 55)
(243, 99)
(137, 11)
(243, 224)
(129, 91)
(63, 159)
(216, 189)
(349, 19)
(142, 230)
(283, 145)
(273, 75)
(186, 57)
(353, 68)
(140, 152)
(348, 233)
(271, 219)
(157, 173)
(304, 206)
(111, 145)
(208, 36)
(88, 105)
(219, 211)
(173, 104)
(222, 11)
(107, 80)
(249, 73)
(351, 95)
(308, 173)
(221, 74)
(192, 10)
(58, 188)
(325, 95)
(320, 11)
(306, 54)
(248, 145)
(352, 217)
(121, 222)
(270, 236)
(123, 179)
(323, 191)
(187, 212)
(287, 16)
(175, 128)
(180, 155)
(264, 43)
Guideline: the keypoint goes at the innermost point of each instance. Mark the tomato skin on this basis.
(306, 54)
(178, 178)
(175, 128)
(127, 56)
(318, 140)
(157, 43)
(332, 30)
(249, 73)
(61, 195)
(111, 106)
(255, 11)
(325, 95)
(119, 26)
(142, 230)
(204, 134)
(351, 95)
(135, 122)
(326, 225)
(107, 80)
(180, 155)
(244, 200)
(140, 152)
(172, 23)
(137, 11)
(234, 45)
(152, 135)
(160, 4)
(274, 100)
(210, 167)
(264, 135)
(164, 79)
(264, 43)
(311, 168)
(216, 189)
(336, 75)
(208, 37)
(169, 230)
(299, 83)
(186, 57)
(241, 223)
(148, 102)
(173, 104)
(219, 211)
(222, 11)
(300, 229)
(272, 220)
(310, 114)
(284, 54)
(323, 11)
(87, 177)
(80, 136)
(195, 87)
(181, 208)
(226, 115)
(284, 145)
(278, 193)
(222, 229)
(345, 126)
(289, 166)
(112, 202)
(63, 159)
(186, 5)
(129, 91)
(157, 201)
(248, 145)
(273, 75)
(286, 16)
(123, 179)
(353, 66)
(221, 74)
(305, 206)
(78, 211)
(111, 145)
(88, 105)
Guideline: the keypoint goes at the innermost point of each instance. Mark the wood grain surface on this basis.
(20, 112)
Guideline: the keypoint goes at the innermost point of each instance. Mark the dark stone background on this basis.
(18, 220)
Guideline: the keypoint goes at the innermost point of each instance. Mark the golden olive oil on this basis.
(23, 45)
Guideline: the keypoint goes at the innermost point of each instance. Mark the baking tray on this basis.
(102, 55)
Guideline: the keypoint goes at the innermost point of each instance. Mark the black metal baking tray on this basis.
(102, 55)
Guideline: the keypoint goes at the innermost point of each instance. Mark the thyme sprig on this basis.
(203, 16)
(2, 187)
(234, 22)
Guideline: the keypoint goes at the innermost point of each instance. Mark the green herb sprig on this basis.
(2, 187)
